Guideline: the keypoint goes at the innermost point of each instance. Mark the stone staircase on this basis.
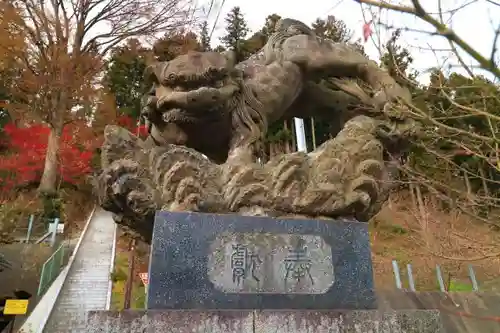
(88, 285)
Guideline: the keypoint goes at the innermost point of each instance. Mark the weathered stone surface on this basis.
(204, 103)
(169, 321)
(274, 263)
(345, 176)
(193, 263)
(348, 322)
(461, 312)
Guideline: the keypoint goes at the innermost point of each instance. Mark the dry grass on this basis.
(429, 236)
(27, 259)
(121, 271)
(14, 215)
(15, 212)
(76, 209)
(138, 297)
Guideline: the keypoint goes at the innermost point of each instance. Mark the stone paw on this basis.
(287, 178)
(243, 186)
(185, 179)
(123, 187)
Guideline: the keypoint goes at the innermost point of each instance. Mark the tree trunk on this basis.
(294, 143)
(49, 176)
(287, 142)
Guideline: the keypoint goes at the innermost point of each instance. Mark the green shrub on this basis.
(52, 207)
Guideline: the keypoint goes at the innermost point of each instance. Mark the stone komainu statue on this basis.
(204, 104)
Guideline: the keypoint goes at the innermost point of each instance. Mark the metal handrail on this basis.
(47, 303)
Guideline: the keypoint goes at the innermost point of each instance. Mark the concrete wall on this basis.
(413, 321)
(399, 312)
(460, 312)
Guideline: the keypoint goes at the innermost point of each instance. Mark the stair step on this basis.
(87, 286)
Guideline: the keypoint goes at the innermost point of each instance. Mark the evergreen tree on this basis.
(333, 29)
(204, 37)
(124, 77)
(397, 60)
(236, 31)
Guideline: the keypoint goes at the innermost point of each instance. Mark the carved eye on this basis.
(171, 76)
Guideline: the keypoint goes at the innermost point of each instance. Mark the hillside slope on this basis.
(450, 239)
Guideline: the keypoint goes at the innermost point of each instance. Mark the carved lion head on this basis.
(188, 102)
(192, 85)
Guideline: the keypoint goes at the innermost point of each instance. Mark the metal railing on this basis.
(51, 269)
(439, 276)
(37, 227)
(39, 317)
(52, 232)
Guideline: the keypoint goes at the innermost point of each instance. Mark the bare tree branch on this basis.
(493, 2)
(65, 42)
(442, 29)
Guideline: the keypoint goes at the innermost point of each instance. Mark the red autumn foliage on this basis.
(131, 125)
(27, 146)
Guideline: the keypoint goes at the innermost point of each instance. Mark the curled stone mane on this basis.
(210, 76)
(193, 68)
(247, 114)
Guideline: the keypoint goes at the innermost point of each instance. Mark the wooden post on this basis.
(130, 277)
(287, 142)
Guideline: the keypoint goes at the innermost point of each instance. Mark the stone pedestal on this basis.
(230, 273)
(298, 321)
(209, 261)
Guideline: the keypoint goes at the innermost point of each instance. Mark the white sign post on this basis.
(300, 134)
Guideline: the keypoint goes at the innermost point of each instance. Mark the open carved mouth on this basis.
(201, 98)
(187, 116)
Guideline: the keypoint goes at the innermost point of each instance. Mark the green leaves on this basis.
(236, 31)
(124, 78)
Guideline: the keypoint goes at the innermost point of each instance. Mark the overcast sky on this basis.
(475, 23)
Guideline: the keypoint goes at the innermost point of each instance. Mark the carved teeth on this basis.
(176, 116)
